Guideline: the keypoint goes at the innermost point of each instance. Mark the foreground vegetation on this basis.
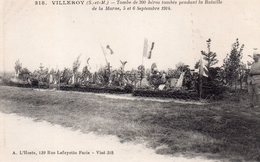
(225, 129)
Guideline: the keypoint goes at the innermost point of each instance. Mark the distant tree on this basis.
(197, 65)
(156, 77)
(232, 64)
(95, 79)
(122, 74)
(66, 76)
(24, 74)
(17, 67)
(217, 75)
(41, 75)
(141, 73)
(212, 84)
(107, 74)
(133, 77)
(180, 68)
(155, 80)
(58, 77)
(171, 73)
(188, 80)
(75, 68)
(76, 65)
(210, 59)
(102, 76)
(86, 75)
(209, 56)
(242, 74)
(52, 76)
(114, 78)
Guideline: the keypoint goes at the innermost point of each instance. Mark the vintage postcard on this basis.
(129, 80)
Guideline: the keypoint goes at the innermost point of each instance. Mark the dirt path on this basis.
(23, 134)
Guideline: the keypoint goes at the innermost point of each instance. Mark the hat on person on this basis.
(256, 55)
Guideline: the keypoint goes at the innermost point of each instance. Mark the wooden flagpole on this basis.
(201, 71)
(104, 53)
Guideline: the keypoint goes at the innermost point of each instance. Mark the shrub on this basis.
(129, 88)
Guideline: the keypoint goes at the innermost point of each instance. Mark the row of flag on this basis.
(147, 53)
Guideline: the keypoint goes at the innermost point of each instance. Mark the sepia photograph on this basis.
(130, 81)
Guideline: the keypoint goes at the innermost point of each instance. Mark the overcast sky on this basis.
(56, 35)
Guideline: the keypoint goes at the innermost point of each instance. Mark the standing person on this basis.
(254, 82)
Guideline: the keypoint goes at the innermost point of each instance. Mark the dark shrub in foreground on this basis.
(95, 89)
(176, 94)
(129, 88)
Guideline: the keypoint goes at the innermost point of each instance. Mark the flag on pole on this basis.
(88, 60)
(150, 52)
(110, 50)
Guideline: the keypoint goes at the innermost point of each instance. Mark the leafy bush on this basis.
(34, 82)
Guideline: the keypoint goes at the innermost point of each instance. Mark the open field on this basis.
(226, 130)
(16, 136)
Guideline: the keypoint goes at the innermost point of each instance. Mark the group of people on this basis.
(254, 82)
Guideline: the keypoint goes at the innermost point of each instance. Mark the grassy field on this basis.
(227, 130)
